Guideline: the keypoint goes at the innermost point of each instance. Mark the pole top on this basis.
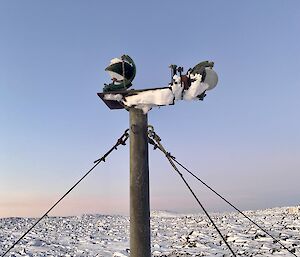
(190, 86)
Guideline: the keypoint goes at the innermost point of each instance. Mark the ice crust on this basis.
(171, 234)
(148, 99)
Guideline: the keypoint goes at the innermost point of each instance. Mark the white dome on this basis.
(211, 78)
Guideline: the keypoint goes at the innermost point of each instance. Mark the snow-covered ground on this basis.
(172, 235)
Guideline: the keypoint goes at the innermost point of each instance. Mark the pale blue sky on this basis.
(243, 139)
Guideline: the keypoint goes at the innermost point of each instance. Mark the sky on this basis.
(243, 139)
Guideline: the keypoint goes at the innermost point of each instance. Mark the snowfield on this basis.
(172, 234)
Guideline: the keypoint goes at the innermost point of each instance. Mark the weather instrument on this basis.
(118, 95)
(190, 86)
(122, 71)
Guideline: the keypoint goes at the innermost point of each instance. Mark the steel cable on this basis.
(157, 144)
(234, 207)
(160, 147)
(121, 141)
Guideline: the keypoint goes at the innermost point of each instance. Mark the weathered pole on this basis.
(139, 185)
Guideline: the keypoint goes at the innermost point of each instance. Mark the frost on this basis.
(115, 60)
(146, 100)
(144, 107)
(156, 97)
(177, 88)
(196, 88)
(114, 97)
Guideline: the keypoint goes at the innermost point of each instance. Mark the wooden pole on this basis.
(139, 185)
